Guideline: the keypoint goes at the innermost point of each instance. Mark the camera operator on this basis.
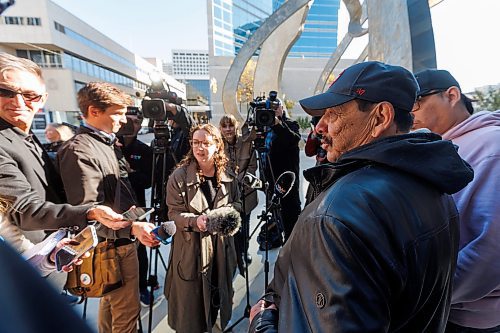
(139, 157)
(243, 161)
(282, 150)
(181, 123)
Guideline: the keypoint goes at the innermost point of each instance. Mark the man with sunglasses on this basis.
(445, 110)
(27, 175)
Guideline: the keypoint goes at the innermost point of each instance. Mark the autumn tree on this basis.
(489, 100)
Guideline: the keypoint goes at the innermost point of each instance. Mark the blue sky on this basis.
(466, 31)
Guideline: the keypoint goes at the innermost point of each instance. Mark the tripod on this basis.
(160, 147)
(272, 207)
(246, 238)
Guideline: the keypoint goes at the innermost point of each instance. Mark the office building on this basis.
(319, 37)
(231, 23)
(72, 53)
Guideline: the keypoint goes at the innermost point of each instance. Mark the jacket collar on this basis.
(99, 135)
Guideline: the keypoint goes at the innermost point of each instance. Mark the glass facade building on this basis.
(319, 38)
(234, 21)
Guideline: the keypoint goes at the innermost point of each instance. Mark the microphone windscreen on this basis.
(167, 229)
(225, 221)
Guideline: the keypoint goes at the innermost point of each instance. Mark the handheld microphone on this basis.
(283, 185)
(225, 221)
(165, 231)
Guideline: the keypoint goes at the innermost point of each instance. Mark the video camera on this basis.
(153, 104)
(261, 112)
(134, 115)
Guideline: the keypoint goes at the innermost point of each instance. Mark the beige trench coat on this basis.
(188, 286)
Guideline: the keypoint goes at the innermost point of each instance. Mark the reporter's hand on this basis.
(108, 217)
(65, 241)
(259, 307)
(201, 223)
(143, 232)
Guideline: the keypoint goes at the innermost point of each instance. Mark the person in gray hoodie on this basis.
(444, 109)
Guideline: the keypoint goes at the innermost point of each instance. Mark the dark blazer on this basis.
(34, 186)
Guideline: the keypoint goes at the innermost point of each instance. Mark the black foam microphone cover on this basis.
(224, 221)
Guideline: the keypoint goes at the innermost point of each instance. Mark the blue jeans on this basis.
(454, 328)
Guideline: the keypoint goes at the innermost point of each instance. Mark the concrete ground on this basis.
(256, 275)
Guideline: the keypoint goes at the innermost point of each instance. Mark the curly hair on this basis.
(5, 204)
(101, 95)
(220, 158)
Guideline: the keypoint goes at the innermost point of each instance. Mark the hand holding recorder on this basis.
(69, 251)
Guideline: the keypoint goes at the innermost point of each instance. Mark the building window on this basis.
(47, 59)
(16, 20)
(34, 21)
(59, 27)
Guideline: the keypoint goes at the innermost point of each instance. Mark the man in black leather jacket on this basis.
(376, 250)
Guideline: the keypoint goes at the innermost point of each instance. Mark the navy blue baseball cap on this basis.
(435, 79)
(439, 79)
(371, 81)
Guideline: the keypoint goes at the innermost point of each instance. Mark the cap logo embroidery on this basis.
(360, 91)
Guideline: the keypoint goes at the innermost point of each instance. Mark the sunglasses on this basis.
(27, 97)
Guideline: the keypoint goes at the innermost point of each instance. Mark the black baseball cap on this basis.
(439, 79)
(371, 81)
(435, 79)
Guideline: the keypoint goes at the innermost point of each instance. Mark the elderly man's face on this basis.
(20, 109)
(344, 128)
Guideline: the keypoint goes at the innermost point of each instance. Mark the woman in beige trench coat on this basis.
(201, 265)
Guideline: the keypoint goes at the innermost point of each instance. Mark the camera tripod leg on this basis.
(246, 312)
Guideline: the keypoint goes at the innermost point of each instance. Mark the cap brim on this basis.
(423, 92)
(316, 105)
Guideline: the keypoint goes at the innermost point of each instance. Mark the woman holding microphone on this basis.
(202, 265)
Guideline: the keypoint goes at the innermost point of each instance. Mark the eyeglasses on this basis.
(418, 101)
(205, 144)
(27, 97)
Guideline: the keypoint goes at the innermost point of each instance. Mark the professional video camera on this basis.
(261, 112)
(153, 104)
(133, 114)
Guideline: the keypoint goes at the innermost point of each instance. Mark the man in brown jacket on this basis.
(91, 173)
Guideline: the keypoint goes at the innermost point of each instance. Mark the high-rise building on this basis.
(319, 37)
(191, 68)
(231, 23)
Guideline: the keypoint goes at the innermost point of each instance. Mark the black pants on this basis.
(143, 267)
(240, 241)
(454, 328)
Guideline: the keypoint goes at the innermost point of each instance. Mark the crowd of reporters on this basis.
(103, 169)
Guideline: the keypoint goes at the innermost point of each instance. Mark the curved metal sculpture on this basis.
(275, 50)
(400, 32)
(248, 50)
